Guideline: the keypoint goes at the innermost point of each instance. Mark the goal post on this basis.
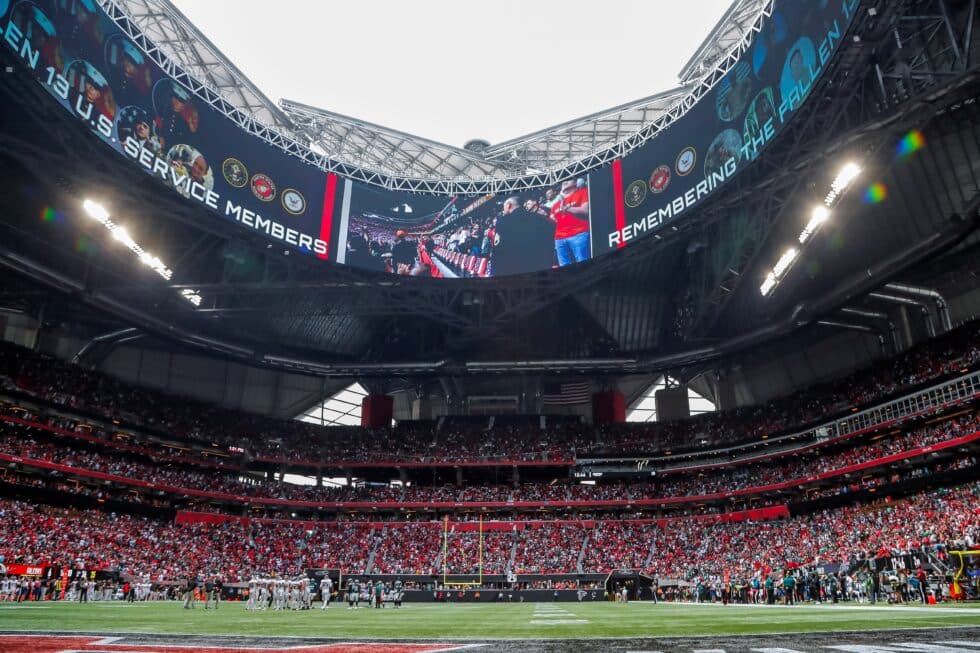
(957, 588)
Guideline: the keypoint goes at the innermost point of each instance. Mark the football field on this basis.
(576, 626)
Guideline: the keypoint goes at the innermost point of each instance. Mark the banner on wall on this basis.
(107, 83)
(731, 125)
(658, 183)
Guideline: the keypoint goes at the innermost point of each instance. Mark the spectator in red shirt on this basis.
(570, 214)
(571, 217)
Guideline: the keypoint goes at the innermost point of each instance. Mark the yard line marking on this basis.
(900, 647)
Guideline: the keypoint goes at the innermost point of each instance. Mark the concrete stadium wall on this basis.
(781, 370)
(231, 385)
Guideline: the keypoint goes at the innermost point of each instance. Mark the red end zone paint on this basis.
(326, 218)
(95, 644)
(620, 207)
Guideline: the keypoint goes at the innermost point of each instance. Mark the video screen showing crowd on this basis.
(490, 235)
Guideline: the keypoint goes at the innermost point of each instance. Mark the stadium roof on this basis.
(407, 161)
(688, 296)
(179, 40)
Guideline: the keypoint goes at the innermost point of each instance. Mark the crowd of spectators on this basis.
(929, 361)
(689, 548)
(925, 523)
(409, 549)
(549, 549)
(39, 444)
(871, 483)
(64, 384)
(618, 545)
(463, 555)
(140, 546)
(676, 548)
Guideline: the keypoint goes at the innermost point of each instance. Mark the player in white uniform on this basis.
(306, 595)
(326, 588)
(263, 590)
(280, 595)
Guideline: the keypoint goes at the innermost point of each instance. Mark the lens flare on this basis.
(51, 216)
(911, 143)
(83, 245)
(876, 193)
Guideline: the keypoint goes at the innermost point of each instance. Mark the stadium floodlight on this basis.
(848, 173)
(842, 181)
(817, 218)
(191, 296)
(768, 284)
(96, 211)
(155, 264)
(119, 233)
(784, 262)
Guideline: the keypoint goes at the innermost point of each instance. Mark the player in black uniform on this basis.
(353, 594)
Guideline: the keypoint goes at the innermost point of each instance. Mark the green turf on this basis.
(477, 620)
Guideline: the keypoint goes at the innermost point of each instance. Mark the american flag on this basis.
(567, 394)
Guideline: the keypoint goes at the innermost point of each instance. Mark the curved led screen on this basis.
(108, 83)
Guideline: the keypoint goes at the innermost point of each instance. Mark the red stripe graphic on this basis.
(96, 644)
(326, 219)
(620, 207)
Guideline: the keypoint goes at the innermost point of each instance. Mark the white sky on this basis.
(452, 70)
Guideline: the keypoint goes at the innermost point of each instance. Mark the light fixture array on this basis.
(119, 233)
(818, 216)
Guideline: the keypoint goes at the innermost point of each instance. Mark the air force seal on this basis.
(263, 187)
(660, 179)
(293, 201)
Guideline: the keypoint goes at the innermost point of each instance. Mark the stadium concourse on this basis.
(699, 372)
